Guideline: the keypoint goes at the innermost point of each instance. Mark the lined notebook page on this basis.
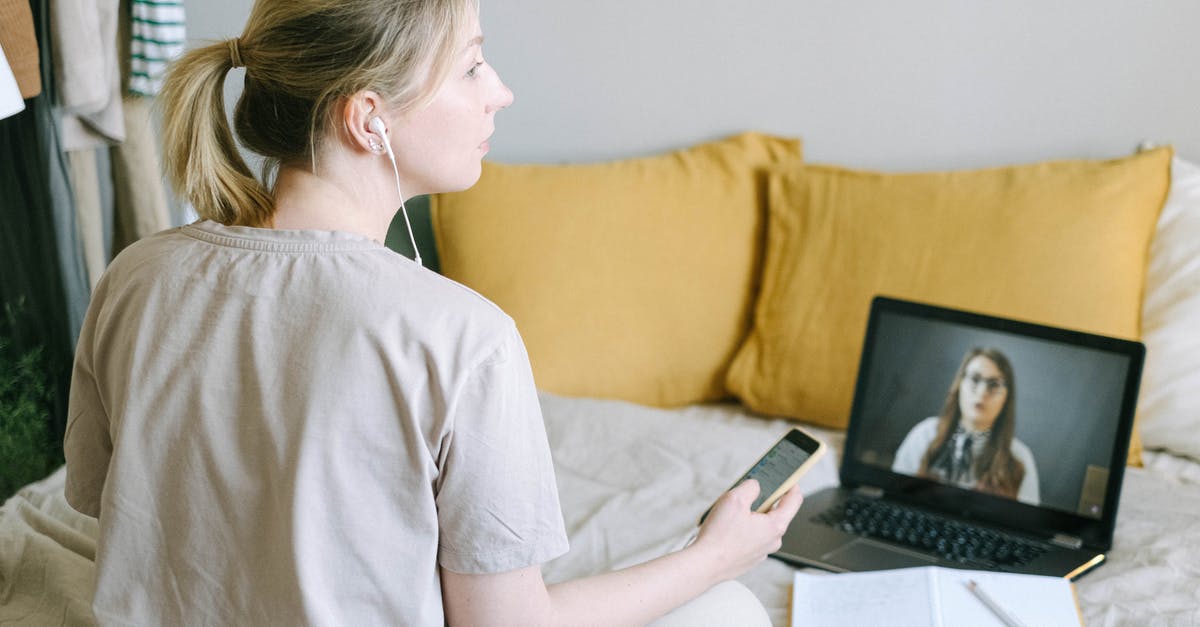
(888, 597)
(929, 595)
(1031, 599)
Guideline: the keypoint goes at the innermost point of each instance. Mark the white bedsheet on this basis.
(46, 558)
(633, 481)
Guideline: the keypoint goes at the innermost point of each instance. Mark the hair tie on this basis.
(235, 55)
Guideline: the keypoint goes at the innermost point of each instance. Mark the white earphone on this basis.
(376, 125)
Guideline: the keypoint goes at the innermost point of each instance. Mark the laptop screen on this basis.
(1002, 409)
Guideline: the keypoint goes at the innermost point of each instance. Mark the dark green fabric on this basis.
(422, 224)
(31, 289)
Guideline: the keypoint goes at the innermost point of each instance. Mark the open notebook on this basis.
(931, 595)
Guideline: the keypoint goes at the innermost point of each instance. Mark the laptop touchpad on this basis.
(868, 555)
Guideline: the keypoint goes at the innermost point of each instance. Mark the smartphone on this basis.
(780, 468)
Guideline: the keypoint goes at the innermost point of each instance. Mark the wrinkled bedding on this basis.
(46, 557)
(633, 481)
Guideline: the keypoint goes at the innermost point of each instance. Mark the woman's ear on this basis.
(357, 115)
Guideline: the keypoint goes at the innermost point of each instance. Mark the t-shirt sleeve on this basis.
(497, 499)
(87, 444)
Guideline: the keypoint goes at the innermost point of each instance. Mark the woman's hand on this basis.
(732, 540)
(736, 538)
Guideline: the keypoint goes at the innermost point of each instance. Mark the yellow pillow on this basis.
(1062, 243)
(632, 279)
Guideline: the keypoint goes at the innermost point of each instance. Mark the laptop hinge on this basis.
(1064, 540)
(869, 491)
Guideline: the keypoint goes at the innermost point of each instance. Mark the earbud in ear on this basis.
(376, 125)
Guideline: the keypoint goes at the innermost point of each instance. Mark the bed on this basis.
(648, 425)
(616, 516)
(632, 488)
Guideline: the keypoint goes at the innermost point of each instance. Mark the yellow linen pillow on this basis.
(631, 279)
(1062, 243)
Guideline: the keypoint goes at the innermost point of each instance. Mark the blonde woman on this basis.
(277, 420)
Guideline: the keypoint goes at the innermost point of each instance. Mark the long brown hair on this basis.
(302, 58)
(998, 471)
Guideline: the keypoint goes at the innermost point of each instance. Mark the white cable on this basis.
(403, 210)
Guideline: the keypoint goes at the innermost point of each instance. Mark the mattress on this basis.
(633, 481)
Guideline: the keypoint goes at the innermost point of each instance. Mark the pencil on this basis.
(1000, 613)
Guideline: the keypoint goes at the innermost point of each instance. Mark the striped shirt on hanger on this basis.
(158, 37)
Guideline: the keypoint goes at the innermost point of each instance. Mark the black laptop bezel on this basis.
(1092, 532)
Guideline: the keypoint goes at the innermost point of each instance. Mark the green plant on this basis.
(27, 450)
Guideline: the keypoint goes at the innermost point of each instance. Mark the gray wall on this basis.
(919, 84)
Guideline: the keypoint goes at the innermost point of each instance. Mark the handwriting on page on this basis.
(886, 598)
(930, 595)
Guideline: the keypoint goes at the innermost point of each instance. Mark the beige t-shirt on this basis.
(299, 427)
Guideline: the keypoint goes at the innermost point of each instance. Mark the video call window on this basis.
(1011, 416)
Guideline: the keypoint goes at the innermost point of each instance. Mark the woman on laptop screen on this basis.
(970, 444)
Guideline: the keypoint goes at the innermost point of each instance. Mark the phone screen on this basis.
(775, 467)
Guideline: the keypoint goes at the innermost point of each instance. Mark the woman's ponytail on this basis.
(201, 157)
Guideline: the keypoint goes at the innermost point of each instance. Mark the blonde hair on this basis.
(302, 58)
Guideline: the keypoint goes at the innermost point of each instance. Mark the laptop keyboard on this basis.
(947, 538)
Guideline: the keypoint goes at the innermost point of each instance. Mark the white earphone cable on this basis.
(403, 209)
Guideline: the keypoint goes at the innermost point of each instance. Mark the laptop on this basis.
(975, 442)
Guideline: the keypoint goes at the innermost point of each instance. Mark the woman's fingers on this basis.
(787, 505)
(746, 492)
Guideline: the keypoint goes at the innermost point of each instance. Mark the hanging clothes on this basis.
(151, 34)
(158, 36)
(140, 205)
(90, 212)
(19, 41)
(87, 72)
(62, 205)
(121, 203)
(42, 280)
(11, 101)
(87, 75)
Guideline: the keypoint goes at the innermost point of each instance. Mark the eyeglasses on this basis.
(993, 383)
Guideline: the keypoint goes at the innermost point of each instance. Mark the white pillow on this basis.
(1169, 404)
